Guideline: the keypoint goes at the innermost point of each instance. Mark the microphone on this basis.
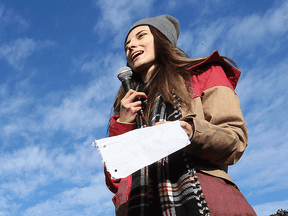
(125, 76)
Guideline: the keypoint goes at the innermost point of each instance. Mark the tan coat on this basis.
(220, 133)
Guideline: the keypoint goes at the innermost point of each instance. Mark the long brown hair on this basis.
(168, 78)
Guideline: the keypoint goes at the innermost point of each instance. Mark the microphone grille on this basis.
(124, 73)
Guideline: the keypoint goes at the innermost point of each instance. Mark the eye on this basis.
(141, 35)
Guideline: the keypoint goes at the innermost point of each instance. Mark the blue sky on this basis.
(58, 66)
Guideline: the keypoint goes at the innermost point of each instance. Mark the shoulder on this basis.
(215, 72)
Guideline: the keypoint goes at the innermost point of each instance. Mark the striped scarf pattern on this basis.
(170, 186)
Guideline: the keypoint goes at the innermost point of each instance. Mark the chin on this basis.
(137, 68)
(141, 68)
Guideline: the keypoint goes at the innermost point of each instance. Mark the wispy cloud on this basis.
(90, 200)
(263, 93)
(32, 167)
(7, 206)
(78, 111)
(259, 30)
(17, 51)
(117, 15)
(234, 36)
(270, 208)
(201, 9)
(199, 42)
(85, 109)
(9, 17)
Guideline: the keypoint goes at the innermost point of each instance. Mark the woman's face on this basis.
(140, 50)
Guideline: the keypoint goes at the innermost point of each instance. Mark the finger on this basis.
(160, 122)
(127, 95)
(137, 103)
(184, 125)
(187, 128)
(136, 95)
(130, 106)
(132, 92)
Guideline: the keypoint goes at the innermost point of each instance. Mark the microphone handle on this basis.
(140, 119)
(127, 84)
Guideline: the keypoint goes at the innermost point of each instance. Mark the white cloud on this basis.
(270, 208)
(25, 160)
(13, 103)
(201, 8)
(75, 115)
(263, 92)
(23, 169)
(260, 30)
(78, 111)
(116, 18)
(17, 51)
(9, 17)
(93, 199)
(3, 90)
(84, 110)
(7, 207)
(234, 35)
(258, 169)
(200, 41)
(33, 167)
(21, 188)
(116, 14)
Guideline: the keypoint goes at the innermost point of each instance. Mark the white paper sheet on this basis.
(126, 153)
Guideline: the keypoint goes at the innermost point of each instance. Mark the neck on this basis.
(147, 75)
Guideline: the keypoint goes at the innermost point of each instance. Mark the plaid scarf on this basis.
(170, 186)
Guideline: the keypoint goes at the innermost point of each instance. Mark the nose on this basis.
(132, 44)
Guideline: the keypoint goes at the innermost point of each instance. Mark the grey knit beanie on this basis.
(166, 24)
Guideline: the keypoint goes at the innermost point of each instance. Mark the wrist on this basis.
(123, 122)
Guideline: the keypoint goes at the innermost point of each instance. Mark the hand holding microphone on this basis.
(130, 105)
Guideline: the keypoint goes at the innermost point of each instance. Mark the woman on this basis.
(199, 92)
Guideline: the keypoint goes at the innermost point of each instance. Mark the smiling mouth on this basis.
(136, 54)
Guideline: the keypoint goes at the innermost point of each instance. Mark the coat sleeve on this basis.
(115, 128)
(221, 137)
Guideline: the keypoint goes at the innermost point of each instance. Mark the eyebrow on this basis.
(136, 35)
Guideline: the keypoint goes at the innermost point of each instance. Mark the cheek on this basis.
(152, 51)
(152, 55)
